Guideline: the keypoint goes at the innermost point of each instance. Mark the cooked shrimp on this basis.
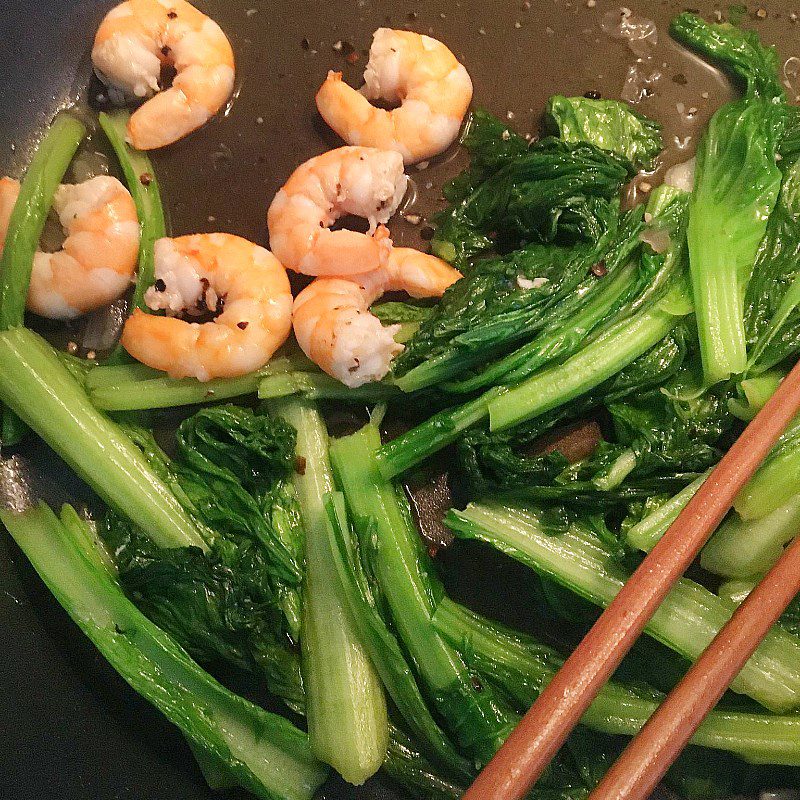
(139, 37)
(98, 258)
(360, 181)
(415, 71)
(212, 272)
(417, 274)
(333, 324)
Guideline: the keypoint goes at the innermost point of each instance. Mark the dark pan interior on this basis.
(69, 727)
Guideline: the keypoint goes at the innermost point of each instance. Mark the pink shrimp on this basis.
(139, 37)
(360, 181)
(212, 272)
(433, 92)
(333, 324)
(97, 261)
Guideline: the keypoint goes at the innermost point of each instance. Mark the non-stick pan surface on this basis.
(69, 727)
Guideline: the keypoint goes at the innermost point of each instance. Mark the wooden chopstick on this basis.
(558, 709)
(640, 768)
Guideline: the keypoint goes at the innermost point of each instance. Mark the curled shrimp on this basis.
(242, 283)
(360, 181)
(420, 74)
(333, 324)
(98, 258)
(136, 39)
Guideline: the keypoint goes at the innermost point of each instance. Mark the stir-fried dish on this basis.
(579, 361)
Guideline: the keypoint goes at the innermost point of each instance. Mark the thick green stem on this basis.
(135, 387)
(345, 703)
(143, 186)
(736, 185)
(438, 369)
(422, 441)
(687, 620)
(645, 534)
(479, 723)
(755, 393)
(37, 386)
(747, 548)
(524, 668)
(777, 479)
(319, 386)
(41, 180)
(614, 349)
(558, 341)
(263, 752)
(382, 645)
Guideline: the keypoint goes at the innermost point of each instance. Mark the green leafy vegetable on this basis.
(652, 518)
(739, 52)
(393, 312)
(319, 386)
(614, 349)
(552, 190)
(776, 480)
(227, 477)
(262, 752)
(254, 449)
(686, 621)
(345, 701)
(218, 605)
(135, 387)
(747, 548)
(656, 298)
(44, 173)
(736, 186)
(607, 124)
(382, 644)
(522, 667)
(504, 300)
(772, 313)
(38, 387)
(239, 600)
(478, 720)
(142, 183)
(409, 766)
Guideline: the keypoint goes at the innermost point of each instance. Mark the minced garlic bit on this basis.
(527, 283)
